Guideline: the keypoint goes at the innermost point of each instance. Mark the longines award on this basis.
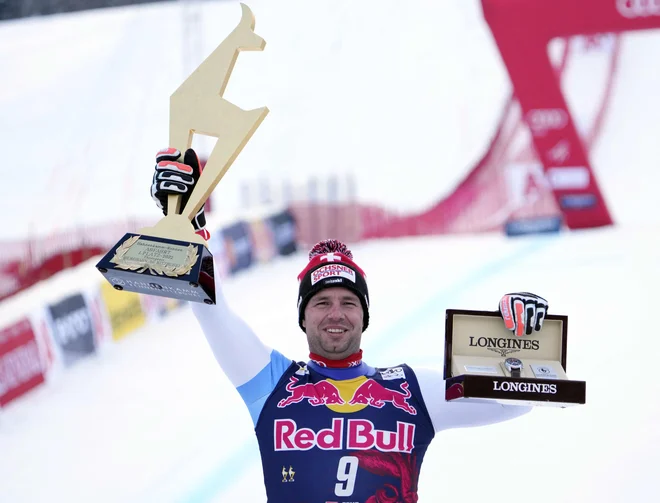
(485, 362)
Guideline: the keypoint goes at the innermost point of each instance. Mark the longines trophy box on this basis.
(485, 362)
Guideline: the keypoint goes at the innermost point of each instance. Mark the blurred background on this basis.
(490, 145)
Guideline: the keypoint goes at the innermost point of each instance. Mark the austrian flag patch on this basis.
(333, 270)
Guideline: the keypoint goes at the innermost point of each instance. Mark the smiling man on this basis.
(333, 302)
(333, 323)
(333, 428)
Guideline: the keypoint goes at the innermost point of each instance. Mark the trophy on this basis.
(485, 362)
(169, 259)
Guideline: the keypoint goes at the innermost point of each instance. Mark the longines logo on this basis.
(504, 346)
(525, 387)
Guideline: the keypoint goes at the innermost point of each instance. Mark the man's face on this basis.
(333, 323)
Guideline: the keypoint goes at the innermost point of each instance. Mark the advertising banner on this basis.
(284, 232)
(155, 306)
(553, 128)
(21, 368)
(217, 247)
(537, 225)
(72, 328)
(263, 241)
(124, 310)
(238, 246)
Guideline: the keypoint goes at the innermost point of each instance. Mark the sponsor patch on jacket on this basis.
(393, 373)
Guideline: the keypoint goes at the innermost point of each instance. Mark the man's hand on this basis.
(178, 178)
(523, 312)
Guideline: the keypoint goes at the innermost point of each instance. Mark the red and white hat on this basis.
(331, 265)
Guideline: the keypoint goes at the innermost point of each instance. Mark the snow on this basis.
(350, 89)
(152, 418)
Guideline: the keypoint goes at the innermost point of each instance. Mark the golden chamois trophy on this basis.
(169, 259)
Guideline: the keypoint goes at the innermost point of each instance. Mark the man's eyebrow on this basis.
(347, 296)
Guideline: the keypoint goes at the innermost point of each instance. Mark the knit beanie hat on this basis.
(330, 265)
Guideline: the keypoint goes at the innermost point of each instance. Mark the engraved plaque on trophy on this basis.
(170, 259)
(485, 362)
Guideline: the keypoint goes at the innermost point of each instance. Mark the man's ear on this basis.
(303, 323)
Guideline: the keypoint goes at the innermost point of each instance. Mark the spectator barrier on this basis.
(36, 345)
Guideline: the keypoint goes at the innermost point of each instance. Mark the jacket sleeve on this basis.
(250, 365)
(446, 415)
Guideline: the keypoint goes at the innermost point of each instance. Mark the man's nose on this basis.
(336, 312)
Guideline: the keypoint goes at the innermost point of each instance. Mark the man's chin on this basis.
(338, 350)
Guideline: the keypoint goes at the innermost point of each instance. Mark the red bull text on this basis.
(356, 434)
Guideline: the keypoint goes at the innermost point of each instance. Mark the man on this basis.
(334, 428)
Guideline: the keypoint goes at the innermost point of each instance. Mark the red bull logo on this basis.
(348, 396)
(353, 434)
(373, 393)
(320, 393)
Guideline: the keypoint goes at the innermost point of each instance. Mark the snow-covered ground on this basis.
(152, 418)
(367, 88)
(370, 87)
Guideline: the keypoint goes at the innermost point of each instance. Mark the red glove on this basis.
(178, 178)
(523, 312)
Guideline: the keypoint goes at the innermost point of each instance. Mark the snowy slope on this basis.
(367, 88)
(405, 96)
(153, 419)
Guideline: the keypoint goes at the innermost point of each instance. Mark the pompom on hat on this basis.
(331, 265)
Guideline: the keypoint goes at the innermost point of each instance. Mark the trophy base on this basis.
(162, 267)
(515, 390)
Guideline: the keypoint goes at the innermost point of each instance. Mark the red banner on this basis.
(21, 368)
(522, 31)
(24, 263)
(508, 184)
